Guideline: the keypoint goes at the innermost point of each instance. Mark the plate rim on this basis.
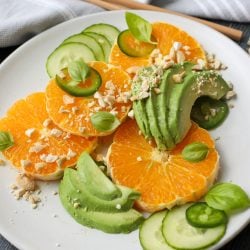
(14, 241)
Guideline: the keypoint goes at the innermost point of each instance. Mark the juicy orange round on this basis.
(164, 178)
(74, 115)
(41, 150)
(165, 35)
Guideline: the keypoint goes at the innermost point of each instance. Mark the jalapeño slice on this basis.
(201, 215)
(209, 113)
(130, 46)
(86, 88)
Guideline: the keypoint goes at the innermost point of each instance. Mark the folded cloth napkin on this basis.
(22, 19)
(229, 10)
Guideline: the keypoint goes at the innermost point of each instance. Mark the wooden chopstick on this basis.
(235, 34)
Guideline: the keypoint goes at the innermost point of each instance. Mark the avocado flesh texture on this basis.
(162, 100)
(141, 117)
(183, 96)
(76, 189)
(95, 181)
(121, 222)
(153, 121)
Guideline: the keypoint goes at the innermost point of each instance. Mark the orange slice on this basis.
(165, 34)
(41, 149)
(164, 179)
(72, 114)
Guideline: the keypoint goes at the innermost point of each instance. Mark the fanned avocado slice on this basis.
(139, 108)
(78, 192)
(153, 121)
(184, 94)
(122, 222)
(96, 182)
(162, 100)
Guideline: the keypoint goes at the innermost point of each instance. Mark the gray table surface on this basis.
(240, 242)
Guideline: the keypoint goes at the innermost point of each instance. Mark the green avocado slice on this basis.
(153, 121)
(96, 182)
(141, 118)
(122, 222)
(77, 190)
(184, 94)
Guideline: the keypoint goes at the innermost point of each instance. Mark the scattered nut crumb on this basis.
(2, 162)
(230, 94)
(139, 158)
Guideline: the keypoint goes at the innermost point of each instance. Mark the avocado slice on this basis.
(183, 96)
(77, 190)
(95, 181)
(153, 121)
(141, 117)
(122, 222)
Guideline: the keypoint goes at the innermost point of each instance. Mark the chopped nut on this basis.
(157, 90)
(139, 158)
(71, 154)
(37, 147)
(39, 165)
(19, 193)
(177, 46)
(178, 77)
(25, 163)
(49, 158)
(29, 132)
(118, 206)
(180, 57)
(47, 122)
(56, 132)
(68, 100)
(2, 162)
(230, 94)
(25, 183)
(133, 69)
(131, 114)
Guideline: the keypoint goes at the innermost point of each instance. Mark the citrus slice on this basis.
(166, 35)
(72, 114)
(41, 149)
(164, 178)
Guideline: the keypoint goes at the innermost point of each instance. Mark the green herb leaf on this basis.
(104, 121)
(228, 197)
(6, 140)
(78, 70)
(140, 28)
(195, 152)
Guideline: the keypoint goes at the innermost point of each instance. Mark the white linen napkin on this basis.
(22, 19)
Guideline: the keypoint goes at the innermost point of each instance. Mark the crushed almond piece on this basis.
(37, 147)
(180, 57)
(230, 94)
(71, 154)
(131, 114)
(47, 122)
(133, 69)
(29, 132)
(177, 46)
(49, 158)
(25, 183)
(39, 165)
(139, 158)
(2, 162)
(157, 90)
(178, 77)
(25, 163)
(56, 132)
(63, 110)
(68, 100)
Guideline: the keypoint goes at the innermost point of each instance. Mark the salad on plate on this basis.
(124, 123)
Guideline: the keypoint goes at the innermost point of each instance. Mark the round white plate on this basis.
(24, 72)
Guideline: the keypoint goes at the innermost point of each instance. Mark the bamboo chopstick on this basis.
(235, 34)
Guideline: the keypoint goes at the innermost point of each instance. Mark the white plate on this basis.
(24, 72)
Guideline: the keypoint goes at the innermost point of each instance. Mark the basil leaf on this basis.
(78, 70)
(195, 152)
(104, 121)
(6, 140)
(228, 197)
(140, 28)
